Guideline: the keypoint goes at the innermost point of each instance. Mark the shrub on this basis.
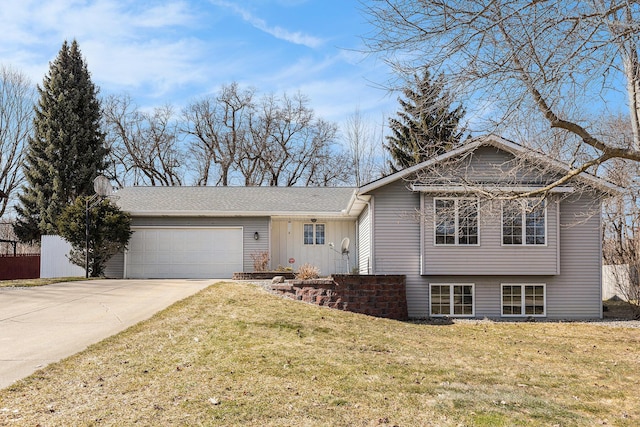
(307, 272)
(260, 261)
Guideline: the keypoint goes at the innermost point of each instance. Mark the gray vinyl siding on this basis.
(115, 267)
(396, 240)
(491, 257)
(574, 293)
(490, 164)
(364, 242)
(249, 226)
(577, 291)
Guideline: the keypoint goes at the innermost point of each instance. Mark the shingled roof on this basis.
(234, 201)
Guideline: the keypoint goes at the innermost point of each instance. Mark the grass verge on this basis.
(236, 355)
(22, 283)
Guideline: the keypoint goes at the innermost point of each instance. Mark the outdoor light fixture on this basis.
(102, 187)
(256, 236)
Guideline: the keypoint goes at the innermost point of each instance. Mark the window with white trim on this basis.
(456, 221)
(524, 222)
(524, 300)
(452, 299)
(314, 234)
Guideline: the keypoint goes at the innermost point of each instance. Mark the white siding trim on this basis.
(600, 265)
(372, 234)
(558, 240)
(423, 232)
(270, 227)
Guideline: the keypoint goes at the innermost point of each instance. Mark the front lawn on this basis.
(19, 283)
(235, 355)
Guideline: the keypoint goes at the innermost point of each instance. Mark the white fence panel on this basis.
(611, 274)
(53, 258)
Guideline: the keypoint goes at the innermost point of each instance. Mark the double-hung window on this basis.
(456, 221)
(451, 300)
(314, 234)
(524, 222)
(523, 300)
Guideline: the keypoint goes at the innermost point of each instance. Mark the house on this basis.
(205, 232)
(451, 225)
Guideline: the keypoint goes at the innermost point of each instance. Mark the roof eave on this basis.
(183, 213)
(500, 143)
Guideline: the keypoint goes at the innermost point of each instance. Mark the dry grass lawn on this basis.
(236, 355)
(19, 283)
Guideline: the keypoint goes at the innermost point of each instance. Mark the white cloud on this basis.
(171, 51)
(276, 31)
(127, 43)
(156, 66)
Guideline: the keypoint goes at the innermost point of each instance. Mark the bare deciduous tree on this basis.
(621, 240)
(230, 138)
(563, 59)
(17, 96)
(296, 142)
(272, 140)
(219, 127)
(329, 168)
(363, 148)
(621, 214)
(144, 147)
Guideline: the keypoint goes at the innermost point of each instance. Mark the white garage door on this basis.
(192, 253)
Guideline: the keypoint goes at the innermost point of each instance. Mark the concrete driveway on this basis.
(44, 324)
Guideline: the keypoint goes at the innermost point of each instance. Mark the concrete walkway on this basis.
(44, 324)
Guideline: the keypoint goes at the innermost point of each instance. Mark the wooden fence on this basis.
(21, 266)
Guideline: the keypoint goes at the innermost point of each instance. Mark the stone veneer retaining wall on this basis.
(375, 295)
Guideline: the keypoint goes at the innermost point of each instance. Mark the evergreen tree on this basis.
(109, 233)
(66, 151)
(426, 126)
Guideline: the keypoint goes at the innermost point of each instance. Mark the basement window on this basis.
(523, 300)
(452, 300)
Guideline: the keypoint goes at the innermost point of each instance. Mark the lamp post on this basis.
(102, 188)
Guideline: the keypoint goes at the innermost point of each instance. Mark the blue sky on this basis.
(174, 51)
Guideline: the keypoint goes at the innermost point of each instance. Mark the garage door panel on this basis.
(184, 253)
(167, 258)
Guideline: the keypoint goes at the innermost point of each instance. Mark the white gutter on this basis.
(194, 213)
(488, 188)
